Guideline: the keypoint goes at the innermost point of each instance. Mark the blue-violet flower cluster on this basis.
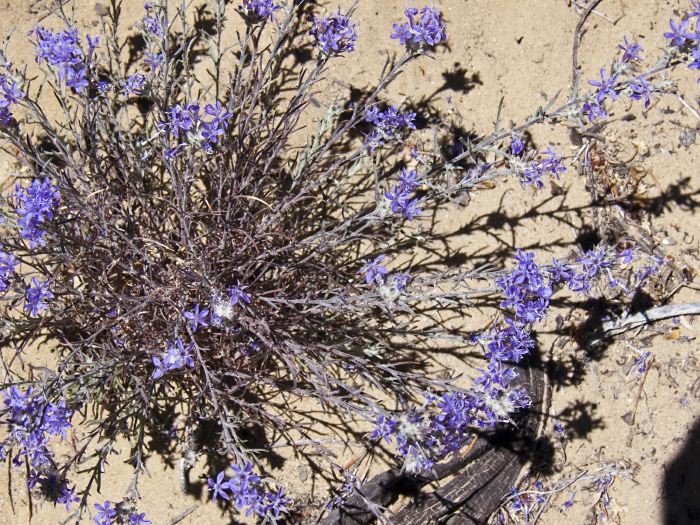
(422, 31)
(247, 492)
(387, 126)
(334, 34)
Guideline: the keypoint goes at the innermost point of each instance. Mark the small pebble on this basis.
(687, 138)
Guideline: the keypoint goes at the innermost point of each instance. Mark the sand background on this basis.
(518, 52)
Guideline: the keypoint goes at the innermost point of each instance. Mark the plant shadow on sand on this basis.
(681, 500)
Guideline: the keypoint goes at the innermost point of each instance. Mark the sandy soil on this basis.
(643, 428)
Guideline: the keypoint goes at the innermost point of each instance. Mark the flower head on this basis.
(8, 262)
(678, 33)
(334, 34)
(606, 86)
(420, 32)
(387, 126)
(593, 110)
(197, 317)
(642, 90)
(237, 294)
(37, 295)
(62, 51)
(133, 85)
(35, 205)
(104, 513)
(152, 23)
(177, 356)
(630, 51)
(260, 10)
(374, 271)
(219, 486)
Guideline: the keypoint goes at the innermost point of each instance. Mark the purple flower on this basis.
(532, 174)
(181, 118)
(153, 60)
(247, 491)
(606, 86)
(219, 115)
(535, 170)
(334, 35)
(8, 262)
(259, 10)
(139, 519)
(177, 356)
(593, 111)
(594, 262)
(62, 51)
(10, 94)
(35, 205)
(526, 290)
(580, 283)
(552, 163)
(373, 271)
(411, 210)
(389, 125)
(37, 295)
(237, 294)
(402, 33)
(92, 42)
(67, 496)
(560, 271)
(400, 196)
(105, 513)
(678, 34)
(161, 368)
(630, 51)
(569, 502)
(273, 504)
(218, 124)
(133, 85)
(517, 146)
(627, 255)
(384, 428)
(420, 32)
(219, 487)
(510, 342)
(243, 486)
(495, 378)
(197, 317)
(409, 179)
(642, 90)
(396, 198)
(186, 120)
(57, 418)
(401, 281)
(641, 363)
(152, 23)
(695, 53)
(695, 13)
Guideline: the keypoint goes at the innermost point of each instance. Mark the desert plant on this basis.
(184, 245)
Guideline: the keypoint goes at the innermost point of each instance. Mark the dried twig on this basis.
(575, 73)
(177, 519)
(622, 324)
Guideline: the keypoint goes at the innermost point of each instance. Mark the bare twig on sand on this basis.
(629, 322)
(183, 515)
